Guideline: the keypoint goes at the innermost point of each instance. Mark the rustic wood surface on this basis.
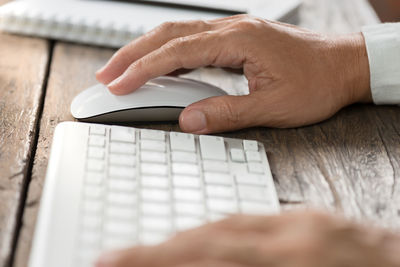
(350, 163)
(23, 63)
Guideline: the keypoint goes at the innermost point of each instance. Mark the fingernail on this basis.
(193, 121)
(100, 70)
(115, 82)
(108, 259)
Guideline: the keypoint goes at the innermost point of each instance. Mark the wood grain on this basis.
(71, 71)
(349, 163)
(23, 63)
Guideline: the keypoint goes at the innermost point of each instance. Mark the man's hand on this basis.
(296, 77)
(289, 240)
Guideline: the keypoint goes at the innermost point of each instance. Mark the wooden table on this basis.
(350, 163)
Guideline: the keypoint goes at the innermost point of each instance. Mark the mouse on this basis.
(160, 99)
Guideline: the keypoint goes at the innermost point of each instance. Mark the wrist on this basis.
(354, 68)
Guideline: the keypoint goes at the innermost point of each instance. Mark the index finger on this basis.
(199, 50)
(154, 39)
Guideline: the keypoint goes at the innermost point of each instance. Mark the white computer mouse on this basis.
(161, 99)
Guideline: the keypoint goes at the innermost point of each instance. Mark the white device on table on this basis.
(160, 99)
(113, 23)
(109, 187)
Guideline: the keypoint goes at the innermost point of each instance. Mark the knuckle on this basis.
(242, 16)
(199, 25)
(167, 26)
(139, 66)
(249, 24)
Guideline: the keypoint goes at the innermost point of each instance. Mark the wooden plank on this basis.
(23, 63)
(71, 71)
(314, 166)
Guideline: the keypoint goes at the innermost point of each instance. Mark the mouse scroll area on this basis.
(153, 114)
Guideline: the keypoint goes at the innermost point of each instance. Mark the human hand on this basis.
(301, 239)
(296, 77)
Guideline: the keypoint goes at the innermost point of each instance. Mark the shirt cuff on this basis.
(383, 46)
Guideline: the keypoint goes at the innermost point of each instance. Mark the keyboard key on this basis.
(159, 195)
(212, 147)
(92, 206)
(151, 156)
(123, 148)
(222, 206)
(215, 166)
(94, 178)
(255, 207)
(157, 209)
(93, 192)
(122, 134)
(121, 199)
(122, 185)
(256, 193)
(87, 256)
(154, 169)
(215, 217)
(122, 171)
(219, 191)
(91, 222)
(185, 168)
(237, 155)
(122, 160)
(253, 156)
(155, 181)
(152, 135)
(114, 212)
(186, 223)
(250, 145)
(156, 224)
(186, 194)
(97, 130)
(96, 152)
(189, 208)
(251, 179)
(90, 238)
(256, 167)
(151, 238)
(218, 178)
(182, 142)
(186, 157)
(153, 145)
(186, 181)
(116, 242)
(95, 140)
(122, 228)
(95, 165)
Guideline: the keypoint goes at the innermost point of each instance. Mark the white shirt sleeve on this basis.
(383, 46)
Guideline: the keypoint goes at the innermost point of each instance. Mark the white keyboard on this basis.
(109, 187)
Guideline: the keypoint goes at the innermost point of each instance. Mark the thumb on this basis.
(219, 114)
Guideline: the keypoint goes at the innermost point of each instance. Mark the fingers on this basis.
(220, 114)
(189, 52)
(145, 44)
(247, 223)
(212, 263)
(188, 249)
(154, 40)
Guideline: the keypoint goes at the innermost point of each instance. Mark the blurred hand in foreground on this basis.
(301, 239)
(296, 77)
